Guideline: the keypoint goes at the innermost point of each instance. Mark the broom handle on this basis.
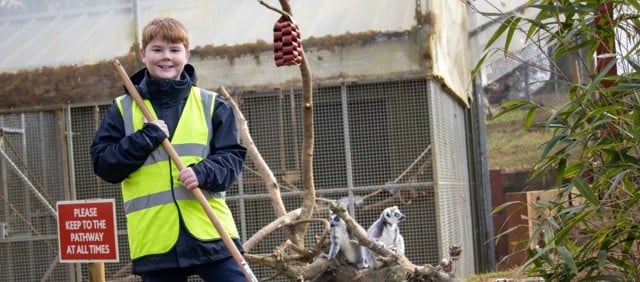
(196, 191)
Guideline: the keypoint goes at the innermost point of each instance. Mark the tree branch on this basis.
(275, 9)
(270, 228)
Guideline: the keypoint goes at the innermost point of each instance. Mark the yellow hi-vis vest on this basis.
(152, 203)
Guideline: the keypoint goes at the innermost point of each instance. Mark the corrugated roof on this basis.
(77, 32)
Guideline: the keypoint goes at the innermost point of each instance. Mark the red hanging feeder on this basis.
(287, 46)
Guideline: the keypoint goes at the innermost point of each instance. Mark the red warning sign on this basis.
(87, 231)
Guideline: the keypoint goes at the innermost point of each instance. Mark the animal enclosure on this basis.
(369, 144)
(385, 133)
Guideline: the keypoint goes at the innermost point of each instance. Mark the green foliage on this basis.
(594, 227)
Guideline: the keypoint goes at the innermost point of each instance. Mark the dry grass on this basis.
(508, 275)
(510, 146)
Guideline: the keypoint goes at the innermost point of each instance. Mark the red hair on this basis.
(168, 29)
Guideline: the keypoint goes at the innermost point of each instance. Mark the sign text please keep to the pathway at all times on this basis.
(87, 231)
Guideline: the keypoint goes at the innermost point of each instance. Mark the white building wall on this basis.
(53, 33)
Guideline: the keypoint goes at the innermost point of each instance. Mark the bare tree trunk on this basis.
(309, 195)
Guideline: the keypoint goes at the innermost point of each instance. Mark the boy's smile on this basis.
(164, 60)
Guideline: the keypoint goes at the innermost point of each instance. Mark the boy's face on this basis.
(164, 60)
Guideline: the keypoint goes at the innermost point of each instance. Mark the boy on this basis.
(170, 236)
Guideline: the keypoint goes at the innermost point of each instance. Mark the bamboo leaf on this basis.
(602, 259)
(510, 106)
(503, 206)
(572, 170)
(479, 65)
(636, 121)
(534, 26)
(634, 4)
(553, 142)
(499, 32)
(585, 190)
(531, 114)
(560, 175)
(598, 78)
(512, 29)
(568, 259)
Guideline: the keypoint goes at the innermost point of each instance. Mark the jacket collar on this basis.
(164, 91)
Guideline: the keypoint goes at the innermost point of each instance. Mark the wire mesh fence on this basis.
(373, 143)
(388, 142)
(33, 178)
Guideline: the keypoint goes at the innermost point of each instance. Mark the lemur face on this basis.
(334, 220)
(393, 215)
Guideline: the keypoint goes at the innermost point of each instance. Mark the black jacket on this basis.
(115, 156)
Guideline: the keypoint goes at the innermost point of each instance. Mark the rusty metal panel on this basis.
(447, 50)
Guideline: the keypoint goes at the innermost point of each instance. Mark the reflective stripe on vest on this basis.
(151, 200)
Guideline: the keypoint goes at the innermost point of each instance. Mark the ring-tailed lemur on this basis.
(343, 242)
(385, 233)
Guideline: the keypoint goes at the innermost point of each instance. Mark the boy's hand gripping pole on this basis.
(196, 191)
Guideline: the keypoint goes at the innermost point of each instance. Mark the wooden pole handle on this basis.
(133, 92)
